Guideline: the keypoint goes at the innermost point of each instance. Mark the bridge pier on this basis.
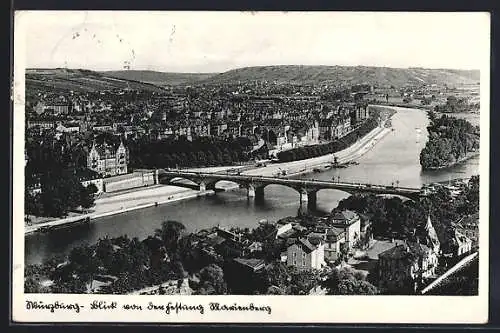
(254, 191)
(308, 199)
(203, 187)
(156, 181)
(251, 191)
(312, 197)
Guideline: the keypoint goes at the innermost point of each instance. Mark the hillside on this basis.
(86, 80)
(160, 78)
(381, 76)
(63, 79)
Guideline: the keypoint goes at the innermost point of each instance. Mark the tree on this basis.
(32, 285)
(32, 203)
(278, 275)
(345, 281)
(61, 192)
(87, 195)
(274, 290)
(356, 287)
(84, 263)
(104, 251)
(73, 286)
(302, 281)
(212, 280)
(170, 232)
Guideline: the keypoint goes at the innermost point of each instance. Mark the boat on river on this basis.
(339, 165)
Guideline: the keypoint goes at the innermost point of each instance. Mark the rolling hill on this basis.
(62, 79)
(347, 74)
(160, 78)
(86, 80)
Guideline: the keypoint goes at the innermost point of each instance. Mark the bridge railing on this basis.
(305, 181)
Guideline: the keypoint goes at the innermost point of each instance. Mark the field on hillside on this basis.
(160, 78)
(79, 80)
(379, 76)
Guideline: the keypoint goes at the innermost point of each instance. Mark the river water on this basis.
(394, 159)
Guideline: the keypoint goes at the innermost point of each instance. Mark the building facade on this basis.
(304, 255)
(350, 222)
(404, 268)
(461, 243)
(108, 160)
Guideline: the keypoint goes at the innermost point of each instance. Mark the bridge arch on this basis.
(289, 188)
(329, 198)
(178, 181)
(382, 195)
(213, 184)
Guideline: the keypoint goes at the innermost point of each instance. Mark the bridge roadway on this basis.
(307, 188)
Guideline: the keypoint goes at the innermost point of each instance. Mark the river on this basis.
(394, 159)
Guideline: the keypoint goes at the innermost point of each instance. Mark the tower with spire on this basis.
(432, 239)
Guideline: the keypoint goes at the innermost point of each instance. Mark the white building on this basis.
(350, 222)
(304, 255)
(462, 243)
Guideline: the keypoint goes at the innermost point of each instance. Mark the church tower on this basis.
(431, 236)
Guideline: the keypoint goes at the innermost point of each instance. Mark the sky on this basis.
(220, 41)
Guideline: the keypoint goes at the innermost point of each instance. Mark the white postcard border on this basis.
(285, 309)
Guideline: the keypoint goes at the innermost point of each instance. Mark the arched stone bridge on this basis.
(307, 188)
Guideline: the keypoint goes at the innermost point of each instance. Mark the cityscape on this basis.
(264, 179)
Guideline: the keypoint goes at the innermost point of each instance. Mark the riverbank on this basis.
(307, 166)
(153, 196)
(162, 194)
(458, 161)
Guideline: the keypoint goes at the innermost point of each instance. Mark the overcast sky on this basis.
(219, 41)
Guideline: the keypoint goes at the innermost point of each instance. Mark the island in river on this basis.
(451, 141)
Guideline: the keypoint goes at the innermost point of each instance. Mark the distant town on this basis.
(102, 138)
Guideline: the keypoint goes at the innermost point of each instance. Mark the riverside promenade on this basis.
(162, 194)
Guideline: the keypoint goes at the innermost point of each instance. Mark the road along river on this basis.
(394, 158)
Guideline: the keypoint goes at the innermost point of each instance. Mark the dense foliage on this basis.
(346, 281)
(393, 217)
(306, 152)
(450, 140)
(454, 104)
(55, 166)
(61, 192)
(145, 153)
